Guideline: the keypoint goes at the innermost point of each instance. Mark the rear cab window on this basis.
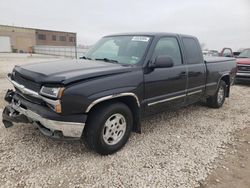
(192, 51)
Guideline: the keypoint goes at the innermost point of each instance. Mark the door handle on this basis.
(183, 74)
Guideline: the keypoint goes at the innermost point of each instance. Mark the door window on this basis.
(168, 46)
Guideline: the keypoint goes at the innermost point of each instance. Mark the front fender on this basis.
(81, 97)
(108, 95)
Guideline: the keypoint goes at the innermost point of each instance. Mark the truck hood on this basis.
(243, 61)
(67, 71)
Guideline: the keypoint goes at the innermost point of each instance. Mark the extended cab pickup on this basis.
(123, 78)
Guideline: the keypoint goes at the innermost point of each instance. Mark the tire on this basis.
(218, 99)
(108, 128)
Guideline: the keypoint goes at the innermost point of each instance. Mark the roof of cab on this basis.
(159, 34)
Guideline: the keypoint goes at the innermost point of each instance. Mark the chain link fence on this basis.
(66, 51)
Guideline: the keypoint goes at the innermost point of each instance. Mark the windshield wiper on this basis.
(84, 57)
(107, 60)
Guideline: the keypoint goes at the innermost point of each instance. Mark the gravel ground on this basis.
(175, 149)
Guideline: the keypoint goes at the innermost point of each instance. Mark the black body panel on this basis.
(156, 89)
(165, 83)
(67, 71)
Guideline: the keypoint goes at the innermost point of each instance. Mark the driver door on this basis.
(166, 87)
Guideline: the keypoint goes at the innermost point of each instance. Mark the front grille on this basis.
(29, 98)
(243, 68)
(26, 82)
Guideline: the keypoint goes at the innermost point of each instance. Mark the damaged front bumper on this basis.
(49, 123)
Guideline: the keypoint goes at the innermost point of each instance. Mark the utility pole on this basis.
(76, 46)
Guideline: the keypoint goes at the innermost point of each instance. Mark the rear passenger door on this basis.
(196, 69)
(166, 87)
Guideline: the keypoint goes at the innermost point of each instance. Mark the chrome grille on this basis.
(26, 82)
(244, 68)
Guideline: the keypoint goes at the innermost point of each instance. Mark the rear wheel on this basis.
(108, 128)
(218, 99)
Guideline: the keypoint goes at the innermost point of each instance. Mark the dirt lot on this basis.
(192, 147)
(233, 169)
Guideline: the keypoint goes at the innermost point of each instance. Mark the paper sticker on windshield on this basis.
(140, 38)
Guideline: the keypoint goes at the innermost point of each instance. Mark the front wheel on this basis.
(108, 128)
(218, 99)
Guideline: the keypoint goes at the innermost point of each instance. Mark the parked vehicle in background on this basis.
(123, 78)
(226, 52)
(205, 52)
(243, 65)
(210, 53)
(214, 53)
(236, 54)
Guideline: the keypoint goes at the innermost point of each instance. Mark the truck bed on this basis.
(212, 59)
(216, 68)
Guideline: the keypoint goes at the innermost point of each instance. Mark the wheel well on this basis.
(131, 102)
(226, 79)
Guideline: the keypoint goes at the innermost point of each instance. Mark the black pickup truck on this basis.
(123, 78)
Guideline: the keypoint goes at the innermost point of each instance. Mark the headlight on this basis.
(54, 92)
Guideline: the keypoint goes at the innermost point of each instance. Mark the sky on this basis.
(216, 23)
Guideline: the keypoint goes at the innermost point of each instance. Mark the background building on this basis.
(21, 39)
(55, 38)
(16, 39)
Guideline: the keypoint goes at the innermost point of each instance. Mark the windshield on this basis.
(119, 49)
(245, 53)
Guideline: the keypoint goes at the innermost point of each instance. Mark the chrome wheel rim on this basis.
(114, 129)
(220, 95)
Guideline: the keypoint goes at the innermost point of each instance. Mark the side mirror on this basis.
(162, 62)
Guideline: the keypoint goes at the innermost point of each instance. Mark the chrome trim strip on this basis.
(243, 74)
(173, 98)
(194, 92)
(23, 89)
(165, 100)
(69, 129)
(243, 65)
(33, 93)
(211, 84)
(111, 97)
